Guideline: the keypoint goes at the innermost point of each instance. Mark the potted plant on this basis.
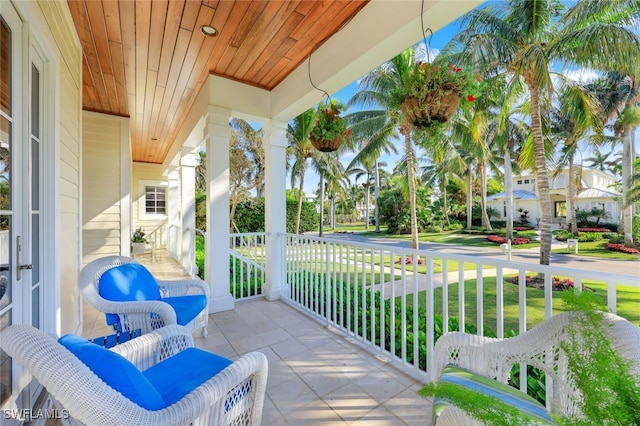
(432, 93)
(329, 130)
(138, 242)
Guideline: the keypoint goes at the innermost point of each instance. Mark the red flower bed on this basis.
(521, 228)
(500, 240)
(594, 230)
(409, 260)
(623, 248)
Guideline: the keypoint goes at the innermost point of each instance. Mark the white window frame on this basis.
(142, 201)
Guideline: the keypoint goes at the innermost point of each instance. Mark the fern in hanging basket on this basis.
(431, 93)
(330, 130)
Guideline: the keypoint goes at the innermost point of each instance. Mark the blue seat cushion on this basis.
(526, 405)
(116, 371)
(187, 307)
(179, 374)
(126, 283)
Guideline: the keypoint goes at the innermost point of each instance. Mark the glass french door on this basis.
(21, 115)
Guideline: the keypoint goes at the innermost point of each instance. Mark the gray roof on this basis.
(518, 194)
(597, 193)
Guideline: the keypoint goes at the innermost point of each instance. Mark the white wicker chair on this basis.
(538, 347)
(137, 315)
(234, 396)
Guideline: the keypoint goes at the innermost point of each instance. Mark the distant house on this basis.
(595, 189)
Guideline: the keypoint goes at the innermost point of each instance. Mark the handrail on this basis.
(193, 268)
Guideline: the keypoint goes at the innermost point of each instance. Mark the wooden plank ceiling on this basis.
(147, 60)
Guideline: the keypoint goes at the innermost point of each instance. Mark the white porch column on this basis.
(173, 214)
(188, 165)
(275, 144)
(217, 241)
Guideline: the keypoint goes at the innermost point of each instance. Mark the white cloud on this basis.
(582, 75)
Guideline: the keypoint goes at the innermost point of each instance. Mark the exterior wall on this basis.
(52, 23)
(151, 174)
(558, 188)
(527, 183)
(102, 175)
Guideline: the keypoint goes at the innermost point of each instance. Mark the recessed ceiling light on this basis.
(208, 30)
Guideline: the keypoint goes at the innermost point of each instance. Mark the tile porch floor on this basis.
(316, 376)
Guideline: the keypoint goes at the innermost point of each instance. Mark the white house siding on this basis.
(52, 22)
(101, 183)
(152, 174)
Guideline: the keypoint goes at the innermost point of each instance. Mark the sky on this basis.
(436, 43)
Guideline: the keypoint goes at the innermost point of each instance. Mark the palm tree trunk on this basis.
(542, 177)
(406, 131)
(321, 204)
(508, 190)
(444, 202)
(486, 223)
(571, 210)
(469, 197)
(367, 200)
(299, 204)
(627, 160)
(376, 195)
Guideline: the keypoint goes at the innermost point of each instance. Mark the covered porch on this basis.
(316, 376)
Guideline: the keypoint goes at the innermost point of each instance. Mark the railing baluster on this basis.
(339, 282)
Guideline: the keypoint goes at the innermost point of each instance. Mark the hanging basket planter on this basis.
(435, 107)
(431, 94)
(330, 130)
(326, 145)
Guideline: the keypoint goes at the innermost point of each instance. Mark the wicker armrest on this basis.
(171, 288)
(151, 348)
(164, 310)
(495, 357)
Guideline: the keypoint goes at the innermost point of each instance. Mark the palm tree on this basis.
(373, 91)
(619, 95)
(526, 38)
(578, 112)
(331, 170)
(300, 150)
(600, 160)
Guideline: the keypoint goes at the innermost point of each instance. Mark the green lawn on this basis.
(628, 302)
(598, 249)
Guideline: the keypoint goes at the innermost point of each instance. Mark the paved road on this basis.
(622, 267)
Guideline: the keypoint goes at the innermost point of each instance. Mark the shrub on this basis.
(589, 236)
(564, 235)
(454, 226)
(616, 239)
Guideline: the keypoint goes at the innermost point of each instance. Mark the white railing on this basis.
(174, 241)
(157, 237)
(247, 264)
(375, 295)
(193, 267)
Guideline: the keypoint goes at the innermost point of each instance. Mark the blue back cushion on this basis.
(126, 283)
(116, 371)
(181, 373)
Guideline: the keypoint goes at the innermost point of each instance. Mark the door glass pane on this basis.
(35, 307)
(5, 164)
(35, 175)
(5, 67)
(35, 248)
(35, 101)
(5, 301)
